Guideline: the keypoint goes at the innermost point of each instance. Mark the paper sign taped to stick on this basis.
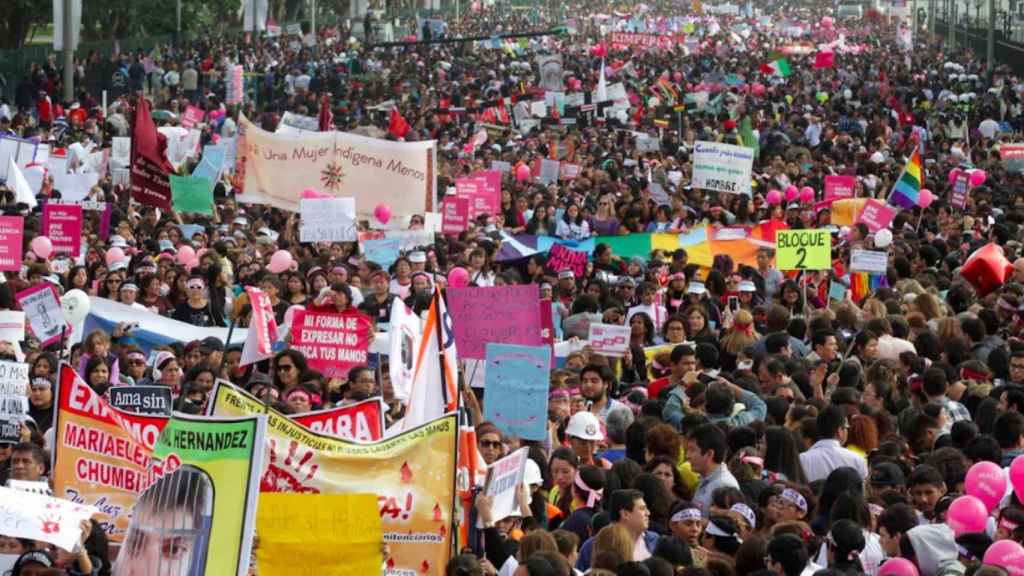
(322, 534)
(62, 224)
(332, 343)
(12, 232)
(517, 381)
(876, 215)
(722, 167)
(838, 187)
(873, 261)
(327, 220)
(12, 326)
(144, 400)
(42, 308)
(45, 518)
(504, 480)
(455, 212)
(502, 314)
(609, 339)
(803, 249)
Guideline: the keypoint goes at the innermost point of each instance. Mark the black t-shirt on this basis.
(201, 317)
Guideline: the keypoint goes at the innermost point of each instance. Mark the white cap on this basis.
(585, 426)
(747, 286)
(532, 475)
(696, 288)
(117, 241)
(417, 257)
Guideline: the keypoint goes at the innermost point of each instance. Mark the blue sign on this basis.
(516, 383)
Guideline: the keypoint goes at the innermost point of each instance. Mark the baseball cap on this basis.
(167, 246)
(210, 344)
(418, 257)
(747, 286)
(119, 265)
(566, 274)
(626, 281)
(585, 426)
(118, 241)
(887, 474)
(696, 288)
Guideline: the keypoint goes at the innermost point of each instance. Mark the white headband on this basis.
(686, 514)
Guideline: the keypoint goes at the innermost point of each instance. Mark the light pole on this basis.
(68, 38)
(990, 40)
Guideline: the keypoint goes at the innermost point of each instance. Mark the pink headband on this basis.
(755, 460)
(559, 393)
(593, 496)
(1007, 525)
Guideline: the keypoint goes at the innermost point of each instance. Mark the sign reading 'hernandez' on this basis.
(278, 167)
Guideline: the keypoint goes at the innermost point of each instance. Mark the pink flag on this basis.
(262, 328)
(824, 59)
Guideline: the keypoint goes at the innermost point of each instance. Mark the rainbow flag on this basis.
(907, 190)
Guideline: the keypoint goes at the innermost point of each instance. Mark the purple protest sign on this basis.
(839, 187)
(501, 314)
(876, 215)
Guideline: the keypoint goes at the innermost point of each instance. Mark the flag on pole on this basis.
(747, 137)
(907, 190)
(434, 389)
(17, 182)
(777, 66)
(325, 119)
(825, 60)
(398, 126)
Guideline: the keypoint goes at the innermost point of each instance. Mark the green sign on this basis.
(192, 194)
(803, 250)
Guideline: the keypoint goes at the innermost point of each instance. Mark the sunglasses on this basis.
(490, 444)
(284, 367)
(195, 286)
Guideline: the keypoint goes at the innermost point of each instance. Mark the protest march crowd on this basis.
(622, 289)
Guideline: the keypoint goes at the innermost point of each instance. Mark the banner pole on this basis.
(224, 356)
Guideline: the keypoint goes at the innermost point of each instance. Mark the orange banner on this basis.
(101, 454)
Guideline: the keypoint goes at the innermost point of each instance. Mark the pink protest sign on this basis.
(561, 258)
(62, 224)
(12, 232)
(483, 189)
(332, 343)
(192, 116)
(961, 189)
(455, 214)
(501, 314)
(569, 171)
(838, 187)
(876, 215)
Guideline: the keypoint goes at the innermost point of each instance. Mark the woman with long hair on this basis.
(563, 465)
(782, 455)
(572, 225)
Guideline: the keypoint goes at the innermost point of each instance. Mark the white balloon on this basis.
(883, 238)
(75, 305)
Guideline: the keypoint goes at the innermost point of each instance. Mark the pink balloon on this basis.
(757, 89)
(382, 213)
(925, 198)
(522, 173)
(967, 514)
(1006, 554)
(199, 253)
(185, 254)
(773, 197)
(792, 193)
(289, 314)
(1017, 476)
(807, 195)
(986, 482)
(458, 277)
(280, 261)
(953, 174)
(42, 247)
(192, 263)
(898, 567)
(115, 254)
(310, 193)
(978, 177)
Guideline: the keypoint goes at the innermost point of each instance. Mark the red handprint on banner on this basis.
(289, 477)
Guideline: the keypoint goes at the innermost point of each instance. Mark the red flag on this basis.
(326, 118)
(150, 166)
(398, 127)
(824, 59)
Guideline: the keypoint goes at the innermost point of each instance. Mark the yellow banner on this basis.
(322, 534)
(412, 474)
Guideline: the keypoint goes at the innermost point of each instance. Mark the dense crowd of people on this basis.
(757, 424)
